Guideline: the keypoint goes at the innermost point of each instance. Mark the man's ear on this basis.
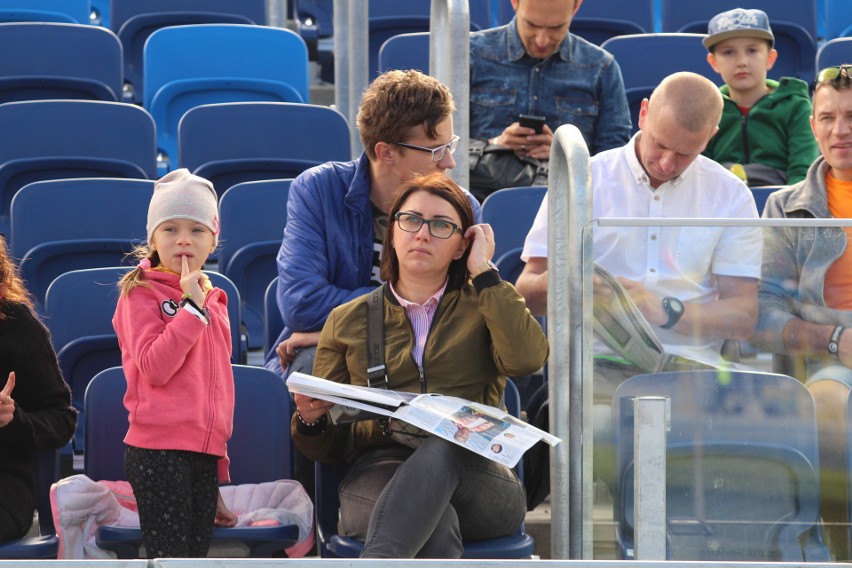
(384, 152)
(515, 5)
(576, 7)
(643, 112)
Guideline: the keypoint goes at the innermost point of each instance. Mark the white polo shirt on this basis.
(669, 261)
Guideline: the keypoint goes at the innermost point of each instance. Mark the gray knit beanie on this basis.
(181, 195)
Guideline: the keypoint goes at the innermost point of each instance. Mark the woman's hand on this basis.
(311, 409)
(191, 283)
(7, 403)
(481, 239)
(288, 348)
(224, 516)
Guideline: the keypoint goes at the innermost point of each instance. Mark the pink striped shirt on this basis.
(420, 316)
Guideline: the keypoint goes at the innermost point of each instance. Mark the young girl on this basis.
(175, 343)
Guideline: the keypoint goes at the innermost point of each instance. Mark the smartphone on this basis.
(532, 121)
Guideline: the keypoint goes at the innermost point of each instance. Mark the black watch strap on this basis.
(674, 309)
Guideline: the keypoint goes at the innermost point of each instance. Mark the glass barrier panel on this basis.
(734, 322)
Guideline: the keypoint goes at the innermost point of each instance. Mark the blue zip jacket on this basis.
(326, 257)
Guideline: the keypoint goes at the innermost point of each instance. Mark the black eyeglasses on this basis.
(438, 228)
(438, 152)
(839, 75)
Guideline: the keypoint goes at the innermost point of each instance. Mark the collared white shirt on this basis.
(669, 261)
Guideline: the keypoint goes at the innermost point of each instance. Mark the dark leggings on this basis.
(176, 492)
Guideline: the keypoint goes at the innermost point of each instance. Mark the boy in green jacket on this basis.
(764, 135)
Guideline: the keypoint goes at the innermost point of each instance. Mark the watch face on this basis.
(674, 306)
(832, 347)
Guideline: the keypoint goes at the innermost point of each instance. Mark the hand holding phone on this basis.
(533, 121)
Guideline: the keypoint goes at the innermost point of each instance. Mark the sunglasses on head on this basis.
(838, 74)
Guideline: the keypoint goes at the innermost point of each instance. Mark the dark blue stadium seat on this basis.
(761, 194)
(327, 501)
(793, 24)
(837, 51)
(388, 18)
(838, 18)
(647, 59)
(56, 139)
(78, 310)
(405, 51)
(188, 66)
(273, 323)
(133, 21)
(60, 61)
(742, 463)
(70, 224)
(253, 215)
(260, 451)
(230, 143)
(511, 213)
(67, 11)
(602, 19)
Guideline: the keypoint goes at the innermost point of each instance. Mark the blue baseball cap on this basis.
(739, 22)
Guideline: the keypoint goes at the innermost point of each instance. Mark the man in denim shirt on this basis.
(533, 65)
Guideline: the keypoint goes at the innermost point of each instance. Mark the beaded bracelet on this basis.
(313, 424)
(186, 296)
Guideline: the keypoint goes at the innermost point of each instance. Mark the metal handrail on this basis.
(569, 201)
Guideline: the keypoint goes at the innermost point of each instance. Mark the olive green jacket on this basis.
(480, 334)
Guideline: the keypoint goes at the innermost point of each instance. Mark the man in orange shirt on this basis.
(806, 291)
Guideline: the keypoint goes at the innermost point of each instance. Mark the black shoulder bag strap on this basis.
(377, 376)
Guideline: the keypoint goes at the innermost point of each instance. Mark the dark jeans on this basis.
(176, 492)
(424, 503)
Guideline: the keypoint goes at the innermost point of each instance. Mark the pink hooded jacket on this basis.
(180, 386)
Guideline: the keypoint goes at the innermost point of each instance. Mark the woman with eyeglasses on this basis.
(451, 326)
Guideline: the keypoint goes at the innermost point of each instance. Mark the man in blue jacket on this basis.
(337, 212)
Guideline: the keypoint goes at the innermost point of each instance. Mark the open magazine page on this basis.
(482, 429)
(619, 323)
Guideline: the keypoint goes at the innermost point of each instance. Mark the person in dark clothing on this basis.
(35, 403)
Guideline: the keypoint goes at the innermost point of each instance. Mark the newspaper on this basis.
(618, 322)
(488, 431)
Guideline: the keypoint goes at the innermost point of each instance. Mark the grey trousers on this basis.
(423, 503)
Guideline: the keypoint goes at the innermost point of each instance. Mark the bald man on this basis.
(697, 286)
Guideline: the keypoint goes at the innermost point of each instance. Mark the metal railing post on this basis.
(449, 62)
(569, 201)
(276, 13)
(651, 421)
(359, 72)
(341, 61)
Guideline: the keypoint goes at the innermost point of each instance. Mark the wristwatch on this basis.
(491, 266)
(834, 342)
(674, 309)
